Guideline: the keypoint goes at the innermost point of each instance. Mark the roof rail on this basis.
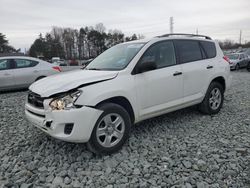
(185, 34)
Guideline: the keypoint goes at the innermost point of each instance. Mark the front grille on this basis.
(35, 100)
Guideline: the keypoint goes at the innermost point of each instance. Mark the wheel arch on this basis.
(221, 80)
(40, 77)
(122, 101)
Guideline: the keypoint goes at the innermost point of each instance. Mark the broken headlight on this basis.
(65, 102)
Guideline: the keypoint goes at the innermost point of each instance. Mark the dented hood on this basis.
(64, 82)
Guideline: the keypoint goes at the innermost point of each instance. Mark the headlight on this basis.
(65, 102)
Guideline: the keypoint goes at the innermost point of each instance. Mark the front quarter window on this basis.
(115, 58)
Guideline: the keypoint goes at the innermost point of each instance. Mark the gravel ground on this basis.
(182, 149)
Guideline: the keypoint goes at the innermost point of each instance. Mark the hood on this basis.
(64, 82)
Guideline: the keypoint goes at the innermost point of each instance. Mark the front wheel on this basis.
(213, 100)
(111, 129)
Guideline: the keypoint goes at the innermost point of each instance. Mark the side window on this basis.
(24, 63)
(188, 50)
(209, 48)
(162, 54)
(241, 56)
(4, 64)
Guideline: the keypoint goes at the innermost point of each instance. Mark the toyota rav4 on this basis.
(126, 84)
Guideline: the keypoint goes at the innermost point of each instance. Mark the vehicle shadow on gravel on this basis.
(170, 124)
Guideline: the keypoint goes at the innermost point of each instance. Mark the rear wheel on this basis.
(213, 100)
(111, 129)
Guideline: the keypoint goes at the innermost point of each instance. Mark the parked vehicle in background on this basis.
(21, 71)
(73, 62)
(55, 59)
(248, 66)
(60, 63)
(238, 60)
(86, 62)
(126, 84)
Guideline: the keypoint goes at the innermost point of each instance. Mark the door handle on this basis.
(209, 67)
(177, 73)
(35, 71)
(6, 74)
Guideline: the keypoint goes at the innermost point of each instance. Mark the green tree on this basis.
(4, 45)
(38, 48)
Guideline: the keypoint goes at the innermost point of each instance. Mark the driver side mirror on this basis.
(146, 66)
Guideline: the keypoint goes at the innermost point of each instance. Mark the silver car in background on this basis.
(238, 60)
(19, 71)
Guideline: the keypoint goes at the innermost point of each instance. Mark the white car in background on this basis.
(20, 71)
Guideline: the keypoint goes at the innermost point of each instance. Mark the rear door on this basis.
(24, 71)
(6, 75)
(196, 68)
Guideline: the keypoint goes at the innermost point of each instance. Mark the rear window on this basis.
(188, 50)
(24, 63)
(209, 48)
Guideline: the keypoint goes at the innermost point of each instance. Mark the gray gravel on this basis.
(182, 149)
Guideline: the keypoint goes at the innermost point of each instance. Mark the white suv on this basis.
(128, 83)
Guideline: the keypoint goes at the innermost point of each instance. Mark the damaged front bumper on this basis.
(74, 125)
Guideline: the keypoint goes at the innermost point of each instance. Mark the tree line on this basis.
(230, 44)
(85, 43)
(4, 45)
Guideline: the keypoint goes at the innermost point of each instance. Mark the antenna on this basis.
(171, 24)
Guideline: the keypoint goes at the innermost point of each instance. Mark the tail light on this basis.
(226, 58)
(57, 69)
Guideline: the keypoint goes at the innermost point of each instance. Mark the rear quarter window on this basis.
(188, 51)
(209, 48)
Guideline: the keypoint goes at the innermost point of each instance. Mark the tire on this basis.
(108, 136)
(237, 67)
(212, 104)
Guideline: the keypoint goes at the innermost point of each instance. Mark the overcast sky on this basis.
(22, 20)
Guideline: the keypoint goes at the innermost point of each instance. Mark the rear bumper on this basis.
(54, 123)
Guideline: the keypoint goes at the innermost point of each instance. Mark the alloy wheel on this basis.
(110, 130)
(215, 99)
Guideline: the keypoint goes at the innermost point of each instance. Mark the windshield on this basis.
(115, 58)
(233, 56)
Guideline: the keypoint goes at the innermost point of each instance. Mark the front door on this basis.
(162, 88)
